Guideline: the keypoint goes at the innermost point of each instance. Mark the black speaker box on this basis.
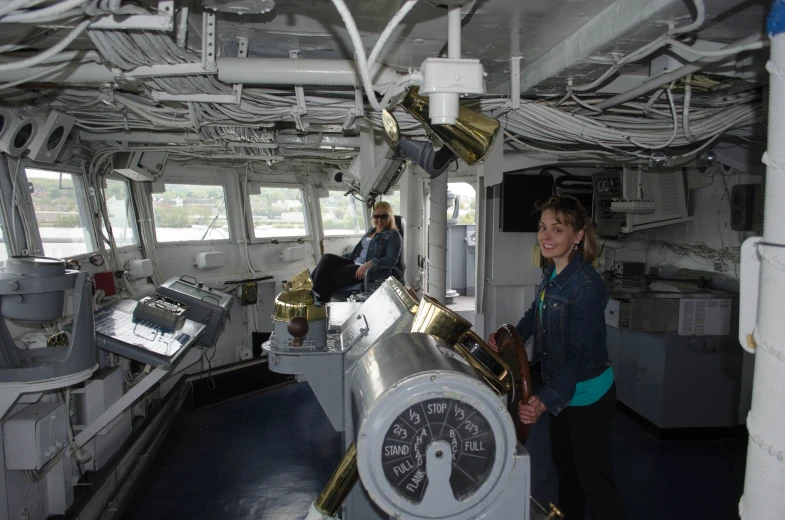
(520, 196)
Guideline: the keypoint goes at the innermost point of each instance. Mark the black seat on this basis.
(377, 274)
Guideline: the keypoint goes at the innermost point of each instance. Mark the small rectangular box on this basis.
(210, 260)
(139, 269)
(34, 435)
(629, 268)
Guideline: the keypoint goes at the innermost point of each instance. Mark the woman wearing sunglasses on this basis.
(381, 246)
(567, 320)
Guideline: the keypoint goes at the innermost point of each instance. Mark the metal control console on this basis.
(205, 305)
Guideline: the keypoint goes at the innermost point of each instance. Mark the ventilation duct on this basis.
(53, 130)
(17, 130)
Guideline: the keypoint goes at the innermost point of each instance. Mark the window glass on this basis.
(342, 215)
(190, 212)
(278, 212)
(121, 213)
(61, 212)
(394, 198)
(467, 202)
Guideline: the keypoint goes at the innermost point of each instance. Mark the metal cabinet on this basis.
(679, 381)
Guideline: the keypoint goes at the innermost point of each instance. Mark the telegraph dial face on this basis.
(450, 420)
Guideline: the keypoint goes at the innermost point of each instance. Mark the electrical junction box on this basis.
(100, 392)
(629, 268)
(293, 254)
(205, 305)
(34, 435)
(139, 269)
(210, 260)
(140, 166)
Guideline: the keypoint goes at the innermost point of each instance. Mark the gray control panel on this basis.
(205, 305)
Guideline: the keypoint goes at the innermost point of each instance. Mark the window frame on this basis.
(194, 182)
(135, 219)
(83, 204)
(249, 225)
(365, 216)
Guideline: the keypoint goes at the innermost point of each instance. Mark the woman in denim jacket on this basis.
(567, 320)
(381, 245)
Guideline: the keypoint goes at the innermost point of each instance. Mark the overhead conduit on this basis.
(246, 71)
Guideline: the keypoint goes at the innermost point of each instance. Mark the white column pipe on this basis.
(454, 32)
(284, 71)
(437, 239)
(412, 210)
(765, 472)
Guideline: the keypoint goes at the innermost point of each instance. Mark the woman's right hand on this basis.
(492, 342)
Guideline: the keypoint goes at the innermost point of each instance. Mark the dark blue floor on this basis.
(262, 457)
(267, 456)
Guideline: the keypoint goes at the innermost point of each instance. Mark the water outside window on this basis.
(190, 212)
(278, 212)
(61, 213)
(342, 215)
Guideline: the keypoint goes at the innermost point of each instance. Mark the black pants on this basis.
(332, 272)
(581, 450)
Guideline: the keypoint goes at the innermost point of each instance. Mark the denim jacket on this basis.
(569, 335)
(384, 249)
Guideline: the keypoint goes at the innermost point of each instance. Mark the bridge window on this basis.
(466, 198)
(190, 213)
(342, 215)
(61, 211)
(278, 212)
(394, 198)
(121, 213)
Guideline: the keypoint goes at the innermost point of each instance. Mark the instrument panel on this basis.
(473, 448)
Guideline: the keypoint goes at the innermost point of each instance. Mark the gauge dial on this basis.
(455, 422)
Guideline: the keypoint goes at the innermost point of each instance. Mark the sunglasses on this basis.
(383, 216)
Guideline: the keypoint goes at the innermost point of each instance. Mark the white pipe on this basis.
(80, 55)
(283, 71)
(391, 25)
(312, 140)
(437, 239)
(765, 472)
(141, 137)
(83, 73)
(676, 74)
(249, 71)
(48, 53)
(454, 32)
(700, 17)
